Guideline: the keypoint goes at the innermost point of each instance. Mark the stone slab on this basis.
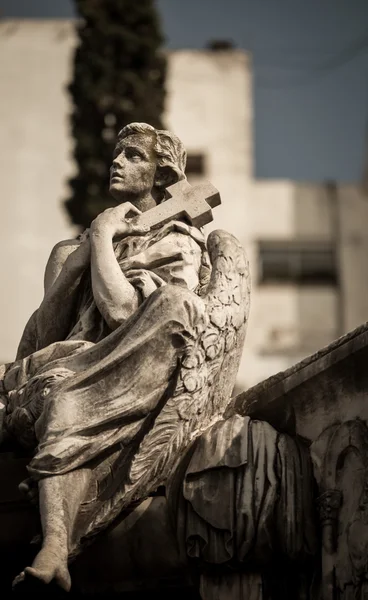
(326, 387)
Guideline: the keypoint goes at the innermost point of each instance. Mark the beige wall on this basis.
(353, 209)
(34, 162)
(289, 322)
(206, 109)
(312, 212)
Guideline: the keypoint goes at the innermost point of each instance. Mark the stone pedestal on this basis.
(323, 399)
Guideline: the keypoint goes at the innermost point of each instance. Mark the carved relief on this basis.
(343, 507)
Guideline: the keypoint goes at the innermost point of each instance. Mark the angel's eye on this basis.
(133, 154)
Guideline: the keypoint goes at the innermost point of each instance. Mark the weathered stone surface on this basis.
(131, 355)
(323, 400)
(184, 201)
(120, 388)
(148, 550)
(326, 387)
(314, 391)
(245, 499)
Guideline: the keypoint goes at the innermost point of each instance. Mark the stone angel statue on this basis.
(131, 355)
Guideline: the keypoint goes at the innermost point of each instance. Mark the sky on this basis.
(310, 62)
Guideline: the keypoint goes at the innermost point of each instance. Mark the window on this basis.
(301, 262)
(195, 164)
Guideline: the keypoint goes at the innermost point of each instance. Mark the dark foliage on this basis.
(119, 75)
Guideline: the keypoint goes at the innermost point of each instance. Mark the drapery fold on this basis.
(247, 495)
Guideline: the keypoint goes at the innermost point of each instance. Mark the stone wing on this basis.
(208, 370)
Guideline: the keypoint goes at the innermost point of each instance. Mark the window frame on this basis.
(296, 259)
(196, 164)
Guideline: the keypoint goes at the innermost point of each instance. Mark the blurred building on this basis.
(307, 244)
(35, 63)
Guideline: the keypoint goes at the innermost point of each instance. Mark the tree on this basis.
(119, 75)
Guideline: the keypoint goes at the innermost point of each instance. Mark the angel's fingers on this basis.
(128, 207)
(83, 236)
(135, 229)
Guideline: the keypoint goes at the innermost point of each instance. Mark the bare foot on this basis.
(48, 566)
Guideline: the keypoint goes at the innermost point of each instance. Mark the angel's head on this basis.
(145, 161)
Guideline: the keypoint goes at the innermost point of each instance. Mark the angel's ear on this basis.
(165, 176)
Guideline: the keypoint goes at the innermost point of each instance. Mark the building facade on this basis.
(307, 244)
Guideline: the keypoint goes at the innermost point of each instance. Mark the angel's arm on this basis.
(29, 341)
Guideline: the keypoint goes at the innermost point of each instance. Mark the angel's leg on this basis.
(60, 497)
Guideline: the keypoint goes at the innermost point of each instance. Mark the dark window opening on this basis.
(195, 164)
(300, 262)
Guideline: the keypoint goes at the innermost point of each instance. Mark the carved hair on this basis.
(170, 151)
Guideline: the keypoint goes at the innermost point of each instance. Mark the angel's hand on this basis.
(114, 222)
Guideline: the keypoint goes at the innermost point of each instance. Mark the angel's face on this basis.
(133, 169)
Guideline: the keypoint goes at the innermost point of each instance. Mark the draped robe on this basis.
(96, 389)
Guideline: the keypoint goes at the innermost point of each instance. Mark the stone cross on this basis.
(183, 200)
